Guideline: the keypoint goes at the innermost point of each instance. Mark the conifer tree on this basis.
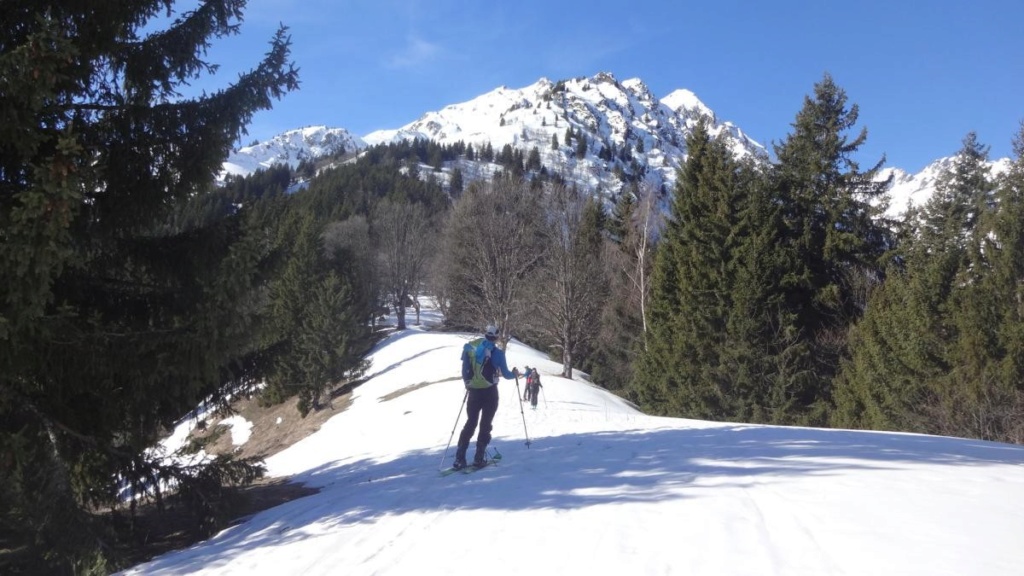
(688, 305)
(908, 366)
(622, 212)
(113, 323)
(533, 159)
(981, 396)
(832, 217)
(897, 352)
(1005, 283)
(330, 340)
(581, 146)
(723, 344)
(456, 184)
(759, 357)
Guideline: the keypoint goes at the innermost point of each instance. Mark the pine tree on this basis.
(918, 357)
(897, 352)
(533, 160)
(1004, 283)
(455, 185)
(980, 397)
(689, 302)
(759, 356)
(581, 146)
(833, 226)
(114, 322)
(330, 340)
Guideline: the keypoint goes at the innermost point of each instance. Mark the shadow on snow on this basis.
(580, 470)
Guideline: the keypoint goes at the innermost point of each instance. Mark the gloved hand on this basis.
(515, 372)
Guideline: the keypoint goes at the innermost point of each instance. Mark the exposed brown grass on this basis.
(274, 428)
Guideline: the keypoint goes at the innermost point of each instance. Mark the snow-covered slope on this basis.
(605, 490)
(291, 147)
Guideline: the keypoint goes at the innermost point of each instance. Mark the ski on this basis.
(469, 469)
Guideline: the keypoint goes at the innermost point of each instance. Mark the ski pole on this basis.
(544, 395)
(519, 395)
(459, 415)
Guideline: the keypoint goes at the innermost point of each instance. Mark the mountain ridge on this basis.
(631, 136)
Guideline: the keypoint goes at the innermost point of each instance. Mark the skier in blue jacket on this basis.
(482, 364)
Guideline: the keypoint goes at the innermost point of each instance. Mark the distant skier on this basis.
(533, 385)
(526, 387)
(482, 363)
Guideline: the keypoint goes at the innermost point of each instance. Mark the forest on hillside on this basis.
(772, 290)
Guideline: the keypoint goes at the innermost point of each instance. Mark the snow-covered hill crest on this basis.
(604, 489)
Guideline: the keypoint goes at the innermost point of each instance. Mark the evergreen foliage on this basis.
(832, 215)
(581, 146)
(938, 350)
(533, 160)
(119, 312)
(456, 184)
(716, 304)
(317, 335)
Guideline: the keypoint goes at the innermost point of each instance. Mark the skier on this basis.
(482, 364)
(533, 385)
(526, 388)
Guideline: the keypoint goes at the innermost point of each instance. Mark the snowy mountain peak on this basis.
(291, 147)
(630, 135)
(685, 101)
(913, 190)
(618, 132)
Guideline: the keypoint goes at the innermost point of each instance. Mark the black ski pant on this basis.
(481, 405)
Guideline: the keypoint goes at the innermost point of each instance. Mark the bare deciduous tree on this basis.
(404, 240)
(644, 226)
(493, 242)
(573, 281)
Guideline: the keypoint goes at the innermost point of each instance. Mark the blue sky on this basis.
(924, 73)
